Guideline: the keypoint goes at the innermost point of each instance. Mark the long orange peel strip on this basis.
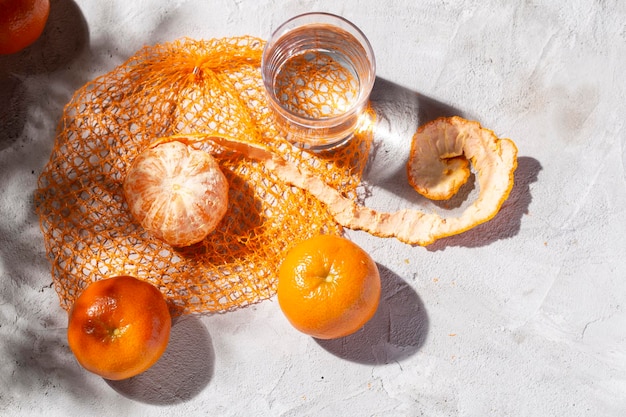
(493, 159)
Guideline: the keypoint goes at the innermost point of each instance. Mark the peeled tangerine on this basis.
(177, 193)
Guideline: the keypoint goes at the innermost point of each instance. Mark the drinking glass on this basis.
(318, 70)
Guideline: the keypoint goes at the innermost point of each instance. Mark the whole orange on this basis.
(119, 327)
(328, 287)
(21, 23)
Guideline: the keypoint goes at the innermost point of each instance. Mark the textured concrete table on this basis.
(522, 316)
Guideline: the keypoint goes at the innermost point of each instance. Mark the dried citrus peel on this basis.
(436, 176)
(440, 153)
(437, 165)
(494, 159)
(448, 139)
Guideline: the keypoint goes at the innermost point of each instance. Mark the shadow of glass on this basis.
(181, 373)
(397, 105)
(507, 222)
(397, 330)
(399, 112)
(64, 37)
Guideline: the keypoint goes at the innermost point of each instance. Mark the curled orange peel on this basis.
(494, 160)
(438, 166)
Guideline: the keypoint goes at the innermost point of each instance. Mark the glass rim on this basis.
(330, 19)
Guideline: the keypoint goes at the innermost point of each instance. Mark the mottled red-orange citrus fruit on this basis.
(119, 327)
(21, 23)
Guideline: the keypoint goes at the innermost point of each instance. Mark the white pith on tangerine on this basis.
(176, 192)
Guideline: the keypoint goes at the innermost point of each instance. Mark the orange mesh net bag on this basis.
(186, 87)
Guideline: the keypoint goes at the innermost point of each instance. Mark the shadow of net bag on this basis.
(183, 87)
